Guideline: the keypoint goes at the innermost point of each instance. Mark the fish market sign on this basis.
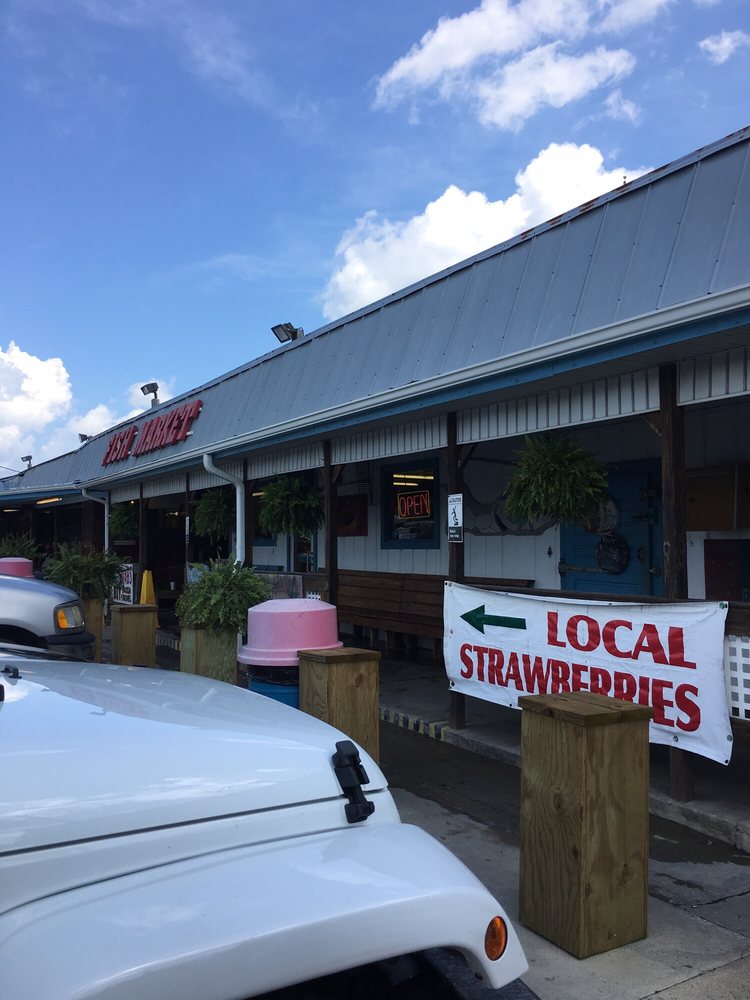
(160, 432)
(669, 657)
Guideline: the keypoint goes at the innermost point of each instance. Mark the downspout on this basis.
(105, 501)
(239, 486)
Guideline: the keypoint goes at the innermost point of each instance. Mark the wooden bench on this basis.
(405, 606)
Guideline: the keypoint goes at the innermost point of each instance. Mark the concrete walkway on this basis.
(698, 943)
(416, 696)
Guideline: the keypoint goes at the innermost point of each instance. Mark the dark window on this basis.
(410, 504)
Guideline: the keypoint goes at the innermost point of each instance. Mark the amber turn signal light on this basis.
(495, 938)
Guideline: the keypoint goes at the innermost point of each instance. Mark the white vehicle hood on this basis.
(94, 751)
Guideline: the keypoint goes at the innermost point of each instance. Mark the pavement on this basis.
(698, 942)
(415, 695)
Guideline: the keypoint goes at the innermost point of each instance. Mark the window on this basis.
(410, 505)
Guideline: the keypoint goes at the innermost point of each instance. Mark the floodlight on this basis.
(284, 332)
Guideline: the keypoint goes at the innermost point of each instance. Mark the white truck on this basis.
(168, 836)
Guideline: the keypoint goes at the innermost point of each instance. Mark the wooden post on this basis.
(332, 543)
(93, 616)
(455, 553)
(134, 634)
(250, 515)
(672, 429)
(341, 687)
(584, 820)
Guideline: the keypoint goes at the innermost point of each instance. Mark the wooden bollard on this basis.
(134, 634)
(342, 687)
(584, 820)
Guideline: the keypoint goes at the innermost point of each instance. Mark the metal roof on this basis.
(665, 253)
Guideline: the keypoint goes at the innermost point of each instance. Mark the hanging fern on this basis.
(555, 478)
(291, 507)
(123, 520)
(214, 515)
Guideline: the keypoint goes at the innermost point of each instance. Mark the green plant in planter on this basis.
(291, 506)
(555, 478)
(91, 574)
(123, 520)
(214, 514)
(18, 543)
(220, 596)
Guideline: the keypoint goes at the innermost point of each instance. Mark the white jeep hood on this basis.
(92, 751)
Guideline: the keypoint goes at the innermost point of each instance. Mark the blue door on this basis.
(624, 556)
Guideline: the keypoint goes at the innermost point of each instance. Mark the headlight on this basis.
(68, 616)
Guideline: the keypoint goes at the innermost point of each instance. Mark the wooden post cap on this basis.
(582, 708)
(349, 653)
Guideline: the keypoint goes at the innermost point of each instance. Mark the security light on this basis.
(83, 438)
(284, 332)
(148, 389)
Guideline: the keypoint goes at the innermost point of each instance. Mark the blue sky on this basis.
(179, 175)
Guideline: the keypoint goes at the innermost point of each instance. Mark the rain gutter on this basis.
(239, 486)
(103, 500)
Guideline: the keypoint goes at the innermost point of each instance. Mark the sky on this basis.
(177, 176)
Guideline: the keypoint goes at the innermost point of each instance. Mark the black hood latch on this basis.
(351, 776)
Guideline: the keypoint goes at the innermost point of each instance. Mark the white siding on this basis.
(276, 463)
(715, 376)
(123, 493)
(202, 480)
(604, 399)
(163, 487)
(402, 439)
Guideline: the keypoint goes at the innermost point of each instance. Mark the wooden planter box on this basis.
(209, 653)
(134, 634)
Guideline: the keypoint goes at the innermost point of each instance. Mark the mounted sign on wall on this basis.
(160, 432)
(455, 517)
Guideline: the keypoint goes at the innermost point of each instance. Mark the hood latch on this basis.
(351, 776)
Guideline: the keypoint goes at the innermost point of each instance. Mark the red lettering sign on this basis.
(154, 434)
(413, 506)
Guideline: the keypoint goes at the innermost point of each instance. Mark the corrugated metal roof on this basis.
(679, 236)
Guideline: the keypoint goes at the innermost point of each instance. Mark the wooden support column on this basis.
(455, 552)
(330, 487)
(142, 535)
(672, 427)
(187, 526)
(250, 516)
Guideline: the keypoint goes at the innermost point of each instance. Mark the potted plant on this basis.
(291, 506)
(92, 575)
(555, 478)
(18, 543)
(212, 610)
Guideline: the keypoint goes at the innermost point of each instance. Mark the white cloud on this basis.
(209, 41)
(512, 59)
(546, 76)
(720, 48)
(378, 256)
(37, 411)
(34, 392)
(621, 109)
(621, 15)
(495, 28)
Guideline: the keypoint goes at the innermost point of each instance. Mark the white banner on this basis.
(499, 647)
